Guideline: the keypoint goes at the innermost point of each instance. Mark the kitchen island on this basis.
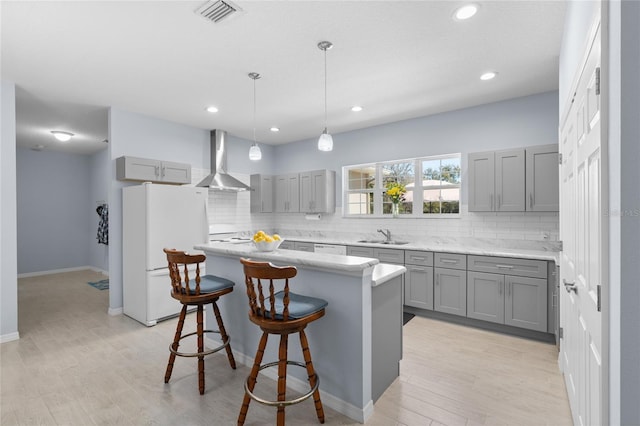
(356, 347)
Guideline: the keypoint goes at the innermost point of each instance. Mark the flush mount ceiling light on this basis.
(275, 129)
(62, 136)
(212, 109)
(488, 75)
(255, 153)
(356, 108)
(465, 12)
(325, 142)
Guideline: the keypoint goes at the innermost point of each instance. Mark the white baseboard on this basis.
(115, 311)
(59, 271)
(302, 386)
(9, 337)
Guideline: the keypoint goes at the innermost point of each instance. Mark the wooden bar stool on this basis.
(198, 291)
(279, 312)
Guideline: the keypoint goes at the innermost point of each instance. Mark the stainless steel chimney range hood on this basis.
(219, 179)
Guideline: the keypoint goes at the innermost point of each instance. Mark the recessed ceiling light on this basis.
(488, 75)
(465, 12)
(62, 136)
(212, 109)
(356, 108)
(275, 129)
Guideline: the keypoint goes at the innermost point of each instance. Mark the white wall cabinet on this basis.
(496, 181)
(149, 170)
(542, 179)
(287, 199)
(261, 193)
(318, 191)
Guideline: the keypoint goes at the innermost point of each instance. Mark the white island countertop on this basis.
(330, 262)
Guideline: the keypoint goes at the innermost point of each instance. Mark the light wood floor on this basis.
(75, 365)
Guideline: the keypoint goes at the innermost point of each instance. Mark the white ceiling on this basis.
(72, 60)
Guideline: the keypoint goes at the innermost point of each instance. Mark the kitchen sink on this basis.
(391, 243)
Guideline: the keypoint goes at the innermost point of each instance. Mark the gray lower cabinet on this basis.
(485, 296)
(287, 245)
(360, 251)
(508, 291)
(303, 246)
(418, 280)
(526, 302)
(450, 291)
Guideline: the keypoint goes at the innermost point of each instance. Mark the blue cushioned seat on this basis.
(299, 306)
(209, 284)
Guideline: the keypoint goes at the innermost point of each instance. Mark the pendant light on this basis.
(325, 142)
(255, 153)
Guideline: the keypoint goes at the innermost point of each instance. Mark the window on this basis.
(432, 187)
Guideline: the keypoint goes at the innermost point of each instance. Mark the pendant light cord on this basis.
(325, 90)
(254, 111)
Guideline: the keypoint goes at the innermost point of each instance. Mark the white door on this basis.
(581, 270)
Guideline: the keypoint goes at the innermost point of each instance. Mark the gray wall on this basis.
(624, 210)
(526, 121)
(8, 236)
(53, 210)
(98, 192)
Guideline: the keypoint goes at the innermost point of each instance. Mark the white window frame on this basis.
(379, 190)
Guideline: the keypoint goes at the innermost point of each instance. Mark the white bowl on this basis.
(267, 246)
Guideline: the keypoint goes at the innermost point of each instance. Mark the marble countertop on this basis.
(480, 250)
(334, 262)
(384, 272)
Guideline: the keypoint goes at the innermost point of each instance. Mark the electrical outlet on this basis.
(546, 235)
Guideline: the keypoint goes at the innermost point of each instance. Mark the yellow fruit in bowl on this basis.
(276, 237)
(268, 239)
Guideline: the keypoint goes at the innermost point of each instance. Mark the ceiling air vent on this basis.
(216, 11)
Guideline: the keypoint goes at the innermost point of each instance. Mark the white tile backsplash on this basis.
(509, 230)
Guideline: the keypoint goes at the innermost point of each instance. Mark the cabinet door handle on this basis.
(417, 258)
(162, 171)
(531, 200)
(448, 261)
(157, 170)
(504, 266)
(499, 202)
(509, 289)
(491, 201)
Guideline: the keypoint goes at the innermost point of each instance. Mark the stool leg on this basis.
(282, 376)
(251, 381)
(224, 335)
(312, 375)
(200, 331)
(176, 342)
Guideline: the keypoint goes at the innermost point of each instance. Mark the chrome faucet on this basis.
(387, 234)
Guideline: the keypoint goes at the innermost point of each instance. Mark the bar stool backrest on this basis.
(263, 280)
(176, 259)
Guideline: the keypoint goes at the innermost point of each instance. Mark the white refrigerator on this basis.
(155, 217)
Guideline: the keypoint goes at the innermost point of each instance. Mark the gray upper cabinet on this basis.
(514, 180)
(261, 194)
(509, 181)
(148, 170)
(496, 181)
(542, 179)
(287, 193)
(318, 191)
